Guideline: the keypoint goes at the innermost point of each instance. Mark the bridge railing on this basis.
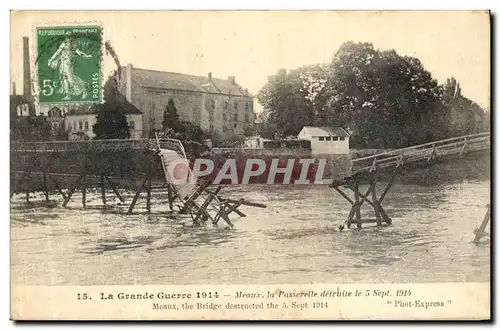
(170, 144)
(393, 158)
(111, 144)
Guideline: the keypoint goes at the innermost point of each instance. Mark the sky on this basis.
(251, 45)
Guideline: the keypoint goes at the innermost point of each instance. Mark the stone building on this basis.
(216, 105)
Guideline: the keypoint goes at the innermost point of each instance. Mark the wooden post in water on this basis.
(72, 189)
(45, 184)
(357, 205)
(170, 197)
(115, 190)
(136, 196)
(26, 182)
(375, 203)
(480, 231)
(148, 187)
(103, 191)
(84, 191)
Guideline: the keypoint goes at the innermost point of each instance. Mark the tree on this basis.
(385, 99)
(111, 122)
(27, 128)
(289, 98)
(170, 116)
(463, 115)
(32, 128)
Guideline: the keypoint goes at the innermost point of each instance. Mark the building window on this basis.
(342, 138)
(212, 104)
(235, 105)
(131, 125)
(226, 104)
(80, 125)
(235, 125)
(321, 138)
(235, 117)
(224, 117)
(211, 127)
(335, 138)
(247, 106)
(246, 117)
(74, 125)
(328, 138)
(86, 125)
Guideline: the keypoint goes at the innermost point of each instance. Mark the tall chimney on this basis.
(26, 68)
(128, 82)
(210, 75)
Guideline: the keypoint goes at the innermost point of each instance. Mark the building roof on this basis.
(54, 112)
(81, 110)
(180, 81)
(127, 108)
(325, 131)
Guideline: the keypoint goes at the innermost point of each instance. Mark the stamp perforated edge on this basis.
(34, 54)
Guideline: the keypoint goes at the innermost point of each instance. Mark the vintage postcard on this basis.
(250, 165)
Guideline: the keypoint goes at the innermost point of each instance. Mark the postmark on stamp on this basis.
(68, 64)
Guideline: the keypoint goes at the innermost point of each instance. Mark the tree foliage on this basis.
(289, 98)
(27, 128)
(31, 128)
(170, 117)
(111, 121)
(384, 99)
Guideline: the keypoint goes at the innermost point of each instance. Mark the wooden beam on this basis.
(170, 197)
(244, 202)
(385, 217)
(189, 202)
(225, 217)
(45, 185)
(375, 204)
(136, 197)
(343, 194)
(103, 191)
(72, 189)
(57, 186)
(203, 208)
(148, 187)
(357, 205)
(480, 231)
(389, 185)
(84, 191)
(113, 187)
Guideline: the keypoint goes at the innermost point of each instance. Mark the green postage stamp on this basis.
(68, 64)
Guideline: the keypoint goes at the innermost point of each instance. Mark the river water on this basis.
(294, 240)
